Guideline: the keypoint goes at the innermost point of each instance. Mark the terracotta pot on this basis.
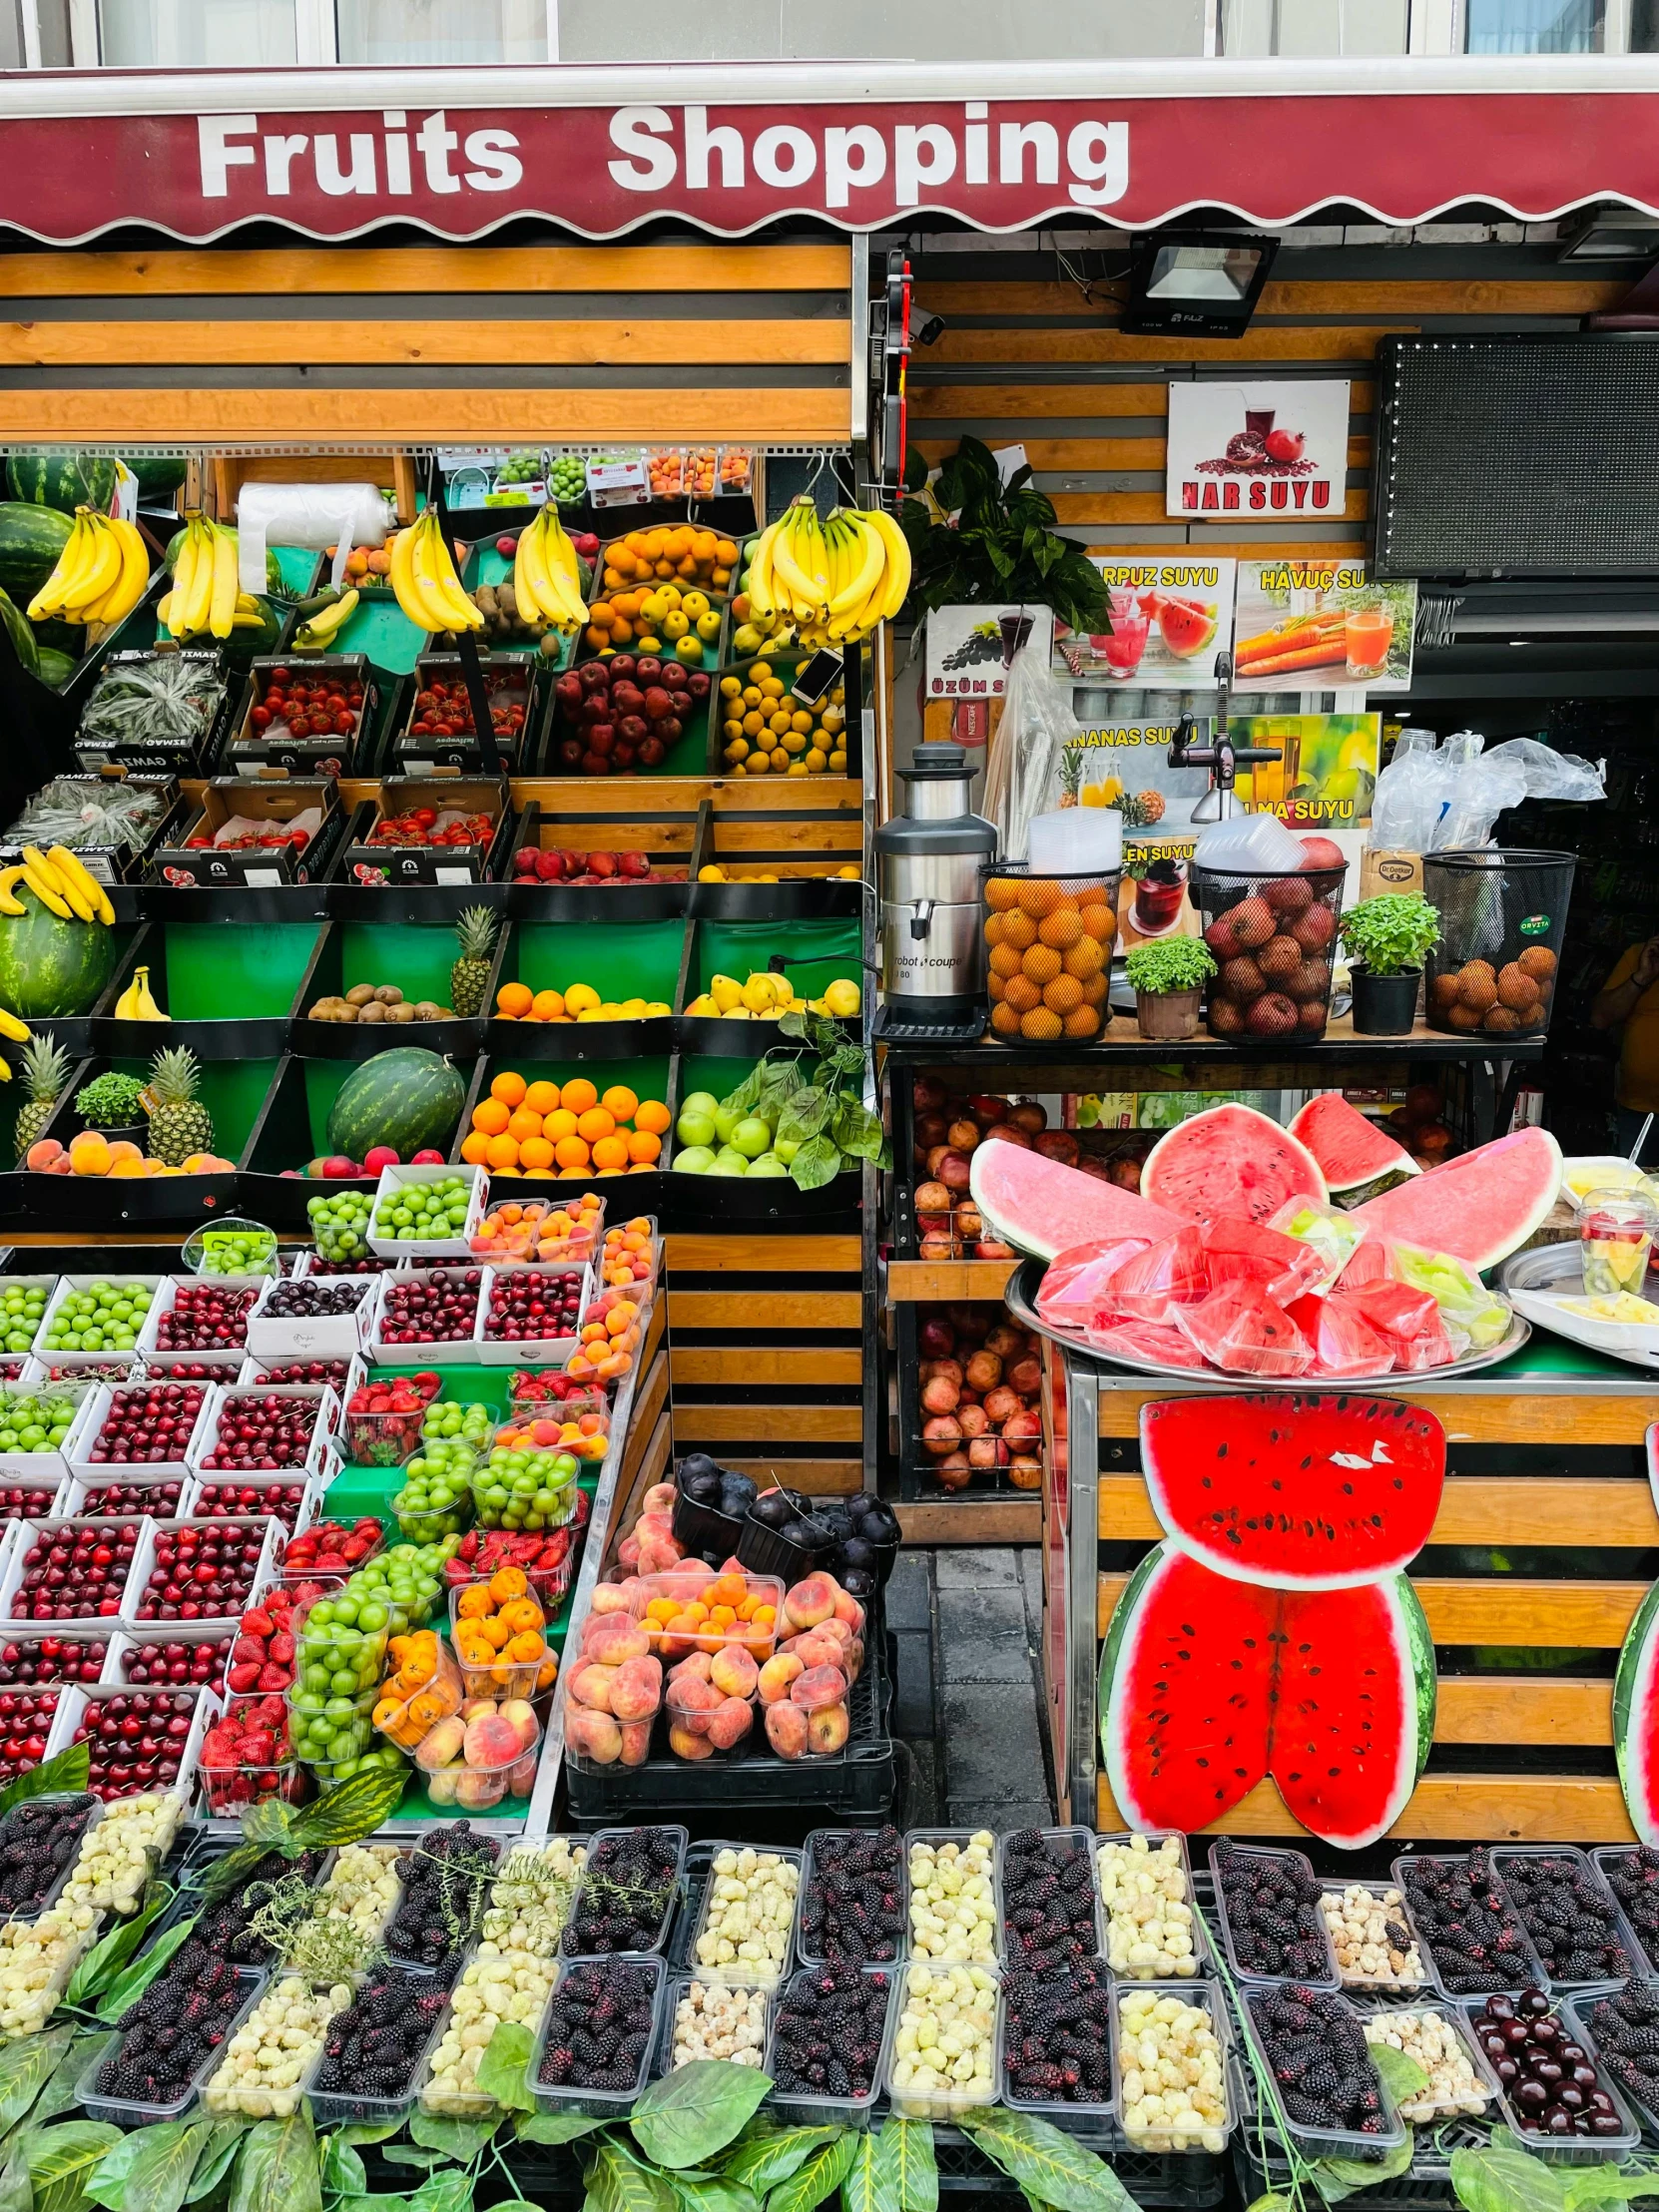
(1167, 1014)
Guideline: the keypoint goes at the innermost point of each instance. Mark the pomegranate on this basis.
(1006, 1339)
(954, 1474)
(955, 1171)
(941, 1435)
(1022, 1428)
(974, 1421)
(987, 1452)
(1010, 1132)
(1001, 1405)
(963, 1136)
(926, 1096)
(941, 1396)
(932, 1198)
(1030, 1116)
(1025, 1374)
(935, 1338)
(983, 1371)
(988, 1110)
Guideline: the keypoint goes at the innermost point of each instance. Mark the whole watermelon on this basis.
(32, 540)
(62, 480)
(408, 1098)
(158, 475)
(56, 668)
(22, 636)
(51, 967)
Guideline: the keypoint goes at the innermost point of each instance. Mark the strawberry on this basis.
(274, 1678)
(243, 1678)
(257, 1622)
(258, 1747)
(281, 1649)
(249, 1649)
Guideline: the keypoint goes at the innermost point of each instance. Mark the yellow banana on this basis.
(565, 565)
(432, 614)
(223, 605)
(74, 875)
(47, 894)
(134, 580)
(796, 595)
(5, 1071)
(81, 907)
(101, 569)
(163, 608)
(152, 1012)
(136, 1002)
(247, 604)
(525, 580)
(18, 1031)
(402, 577)
(50, 595)
(198, 607)
(897, 573)
(34, 857)
(873, 553)
(184, 579)
(318, 633)
(463, 614)
(762, 600)
(10, 904)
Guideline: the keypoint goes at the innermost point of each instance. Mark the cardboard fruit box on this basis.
(372, 860)
(192, 861)
(433, 738)
(337, 688)
(153, 739)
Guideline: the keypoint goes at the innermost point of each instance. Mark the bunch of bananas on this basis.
(16, 1033)
(836, 580)
(205, 593)
(424, 579)
(59, 880)
(101, 573)
(318, 632)
(547, 580)
(137, 1003)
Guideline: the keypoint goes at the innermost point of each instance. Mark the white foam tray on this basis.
(158, 1632)
(324, 1336)
(434, 1248)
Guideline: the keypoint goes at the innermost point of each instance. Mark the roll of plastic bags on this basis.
(314, 516)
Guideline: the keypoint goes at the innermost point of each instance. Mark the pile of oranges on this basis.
(577, 1002)
(544, 1130)
(1050, 941)
(678, 553)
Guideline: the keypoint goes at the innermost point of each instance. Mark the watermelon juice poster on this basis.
(1166, 622)
(1322, 626)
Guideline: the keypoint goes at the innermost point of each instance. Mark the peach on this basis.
(491, 1741)
(786, 1729)
(853, 1664)
(828, 1730)
(699, 1663)
(659, 1501)
(591, 1686)
(594, 1736)
(637, 1689)
(614, 1641)
(776, 1675)
(636, 1742)
(731, 1722)
(810, 1601)
(608, 1597)
(694, 1695)
(658, 1554)
(850, 1610)
(654, 1524)
(42, 1153)
(476, 1708)
(818, 1649)
(520, 1716)
(522, 1780)
(628, 1551)
(475, 1791)
(734, 1671)
(442, 1744)
(685, 1745)
(819, 1686)
(442, 1787)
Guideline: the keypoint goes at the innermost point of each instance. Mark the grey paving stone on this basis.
(967, 1614)
(908, 1598)
(974, 1567)
(993, 1754)
(1002, 1819)
(914, 1714)
(1000, 1659)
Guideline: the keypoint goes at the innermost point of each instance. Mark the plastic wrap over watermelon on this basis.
(1331, 1235)
(1240, 1330)
(1144, 1342)
(1247, 1251)
(1156, 1283)
(1071, 1293)
(1344, 1342)
(1409, 1322)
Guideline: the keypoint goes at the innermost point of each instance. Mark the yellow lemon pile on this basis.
(764, 998)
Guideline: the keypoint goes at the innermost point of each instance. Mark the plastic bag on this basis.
(1241, 1330)
(1326, 1231)
(1022, 769)
(1155, 1283)
(1072, 1290)
(1238, 1251)
(1448, 798)
(1344, 1342)
(1462, 1297)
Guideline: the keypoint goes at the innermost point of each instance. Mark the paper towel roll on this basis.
(310, 515)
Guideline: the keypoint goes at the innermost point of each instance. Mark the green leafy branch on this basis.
(1002, 548)
(823, 1117)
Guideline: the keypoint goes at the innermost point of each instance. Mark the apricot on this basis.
(734, 1671)
(685, 1745)
(828, 1730)
(637, 1690)
(786, 1729)
(810, 1601)
(731, 1722)
(612, 1642)
(776, 1675)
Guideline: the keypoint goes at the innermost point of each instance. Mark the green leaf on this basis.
(1587, 2186)
(696, 2111)
(161, 2173)
(347, 1815)
(462, 2140)
(60, 2161)
(130, 1983)
(556, 2127)
(820, 2174)
(344, 2170)
(26, 2067)
(742, 1099)
(64, 1771)
(1336, 2178)
(269, 1822)
(792, 1024)
(782, 1080)
(816, 1163)
(218, 2153)
(1273, 2201)
(1401, 2076)
(617, 2183)
(97, 1969)
(59, 2094)
(868, 2184)
(707, 2193)
(450, 2191)
(279, 2167)
(762, 2161)
(1498, 2179)
(805, 1115)
(107, 2183)
(504, 2065)
(411, 2154)
(914, 2168)
(1050, 2165)
(514, 2204)
(367, 2131)
(857, 1131)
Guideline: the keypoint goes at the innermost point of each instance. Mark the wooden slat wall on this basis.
(399, 346)
(1028, 359)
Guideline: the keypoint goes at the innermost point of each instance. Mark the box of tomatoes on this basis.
(439, 731)
(305, 717)
(432, 830)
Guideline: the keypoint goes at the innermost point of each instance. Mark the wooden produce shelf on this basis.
(972, 1520)
(1078, 1068)
(909, 1281)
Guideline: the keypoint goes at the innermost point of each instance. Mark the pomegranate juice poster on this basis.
(1322, 626)
(1166, 622)
(1260, 452)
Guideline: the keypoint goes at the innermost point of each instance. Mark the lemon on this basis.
(843, 996)
(815, 761)
(847, 875)
(730, 688)
(712, 873)
(726, 992)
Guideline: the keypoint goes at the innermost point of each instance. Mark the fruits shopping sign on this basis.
(1256, 449)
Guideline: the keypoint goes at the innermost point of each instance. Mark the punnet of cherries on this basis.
(440, 1307)
(534, 1304)
(229, 1500)
(148, 1425)
(121, 1500)
(25, 1723)
(201, 1573)
(179, 1666)
(311, 1296)
(135, 1739)
(19, 1500)
(261, 1432)
(277, 1372)
(51, 1659)
(76, 1571)
(206, 1317)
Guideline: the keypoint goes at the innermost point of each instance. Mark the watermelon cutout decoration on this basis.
(1350, 1148)
(1043, 1207)
(1230, 1161)
(408, 1098)
(1636, 1719)
(49, 966)
(1207, 1686)
(62, 480)
(1480, 1207)
(31, 542)
(1299, 1491)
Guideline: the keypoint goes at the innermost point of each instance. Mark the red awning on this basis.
(334, 153)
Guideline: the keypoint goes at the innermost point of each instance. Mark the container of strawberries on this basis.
(262, 1658)
(246, 1757)
(547, 1560)
(384, 1418)
(331, 1549)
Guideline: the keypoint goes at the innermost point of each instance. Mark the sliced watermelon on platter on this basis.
(1245, 1251)
(1071, 1293)
(1307, 1490)
(1480, 1207)
(1155, 1283)
(1350, 1147)
(1410, 1322)
(1143, 1342)
(1043, 1207)
(1344, 1342)
(1242, 1331)
(1229, 1161)
(1367, 1263)
(1207, 1686)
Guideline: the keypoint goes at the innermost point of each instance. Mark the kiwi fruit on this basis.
(371, 1010)
(388, 995)
(360, 994)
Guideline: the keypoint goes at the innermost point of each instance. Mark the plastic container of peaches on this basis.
(629, 1258)
(535, 1230)
(684, 1610)
(609, 1338)
(585, 1436)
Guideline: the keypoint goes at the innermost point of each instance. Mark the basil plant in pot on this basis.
(1387, 940)
(1168, 979)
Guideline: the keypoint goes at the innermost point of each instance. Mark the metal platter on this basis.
(1020, 1298)
(1535, 1280)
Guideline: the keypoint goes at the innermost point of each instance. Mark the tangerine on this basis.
(1042, 963)
(1085, 957)
(571, 1152)
(524, 1124)
(1061, 928)
(545, 1005)
(643, 1146)
(560, 1123)
(491, 1115)
(1001, 894)
(1022, 994)
(475, 1149)
(509, 1087)
(1039, 895)
(502, 1153)
(542, 1098)
(535, 1152)
(1041, 1025)
(1063, 996)
(578, 1095)
(1019, 930)
(1004, 1021)
(652, 1117)
(513, 1000)
(1101, 924)
(1081, 1022)
(596, 1123)
(611, 1152)
(1004, 960)
(620, 1102)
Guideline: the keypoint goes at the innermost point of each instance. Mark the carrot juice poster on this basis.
(1312, 625)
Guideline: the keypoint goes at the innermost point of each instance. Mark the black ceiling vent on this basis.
(1519, 457)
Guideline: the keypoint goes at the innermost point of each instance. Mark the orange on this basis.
(561, 1123)
(1085, 957)
(535, 1152)
(993, 929)
(644, 1145)
(578, 1095)
(475, 1149)
(546, 1004)
(571, 1152)
(514, 999)
(595, 1122)
(1042, 963)
(1039, 895)
(1005, 961)
(522, 1125)
(1064, 995)
(503, 1153)
(1040, 1024)
(611, 1152)
(1004, 1021)
(620, 1102)
(1061, 928)
(1082, 1021)
(1019, 931)
(542, 1098)
(1022, 994)
(652, 1117)
(508, 1086)
(1001, 894)
(1100, 923)
(491, 1115)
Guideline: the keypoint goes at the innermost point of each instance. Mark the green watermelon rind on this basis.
(51, 968)
(32, 540)
(1633, 1694)
(379, 1104)
(21, 634)
(1111, 1657)
(1392, 1216)
(1371, 1417)
(65, 480)
(1391, 1159)
(1209, 1126)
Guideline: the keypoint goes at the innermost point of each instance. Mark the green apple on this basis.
(696, 1128)
(730, 1163)
(785, 1149)
(767, 1164)
(725, 1122)
(700, 1102)
(694, 1159)
(751, 1137)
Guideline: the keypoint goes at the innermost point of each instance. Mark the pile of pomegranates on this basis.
(949, 1129)
(979, 1376)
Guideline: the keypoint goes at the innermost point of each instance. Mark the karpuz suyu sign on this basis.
(602, 169)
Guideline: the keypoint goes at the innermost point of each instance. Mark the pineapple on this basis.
(469, 977)
(1141, 810)
(1071, 775)
(179, 1124)
(45, 1072)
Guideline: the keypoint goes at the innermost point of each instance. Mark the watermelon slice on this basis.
(1344, 1342)
(1480, 1207)
(1139, 1343)
(1409, 1322)
(1229, 1161)
(1368, 1261)
(1241, 1330)
(1636, 1718)
(1242, 1251)
(1157, 1283)
(1072, 1291)
(1298, 1490)
(1207, 1686)
(1350, 1147)
(1036, 1205)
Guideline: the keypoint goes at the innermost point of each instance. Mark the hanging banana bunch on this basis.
(205, 597)
(61, 882)
(425, 578)
(547, 579)
(833, 580)
(101, 573)
(137, 1003)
